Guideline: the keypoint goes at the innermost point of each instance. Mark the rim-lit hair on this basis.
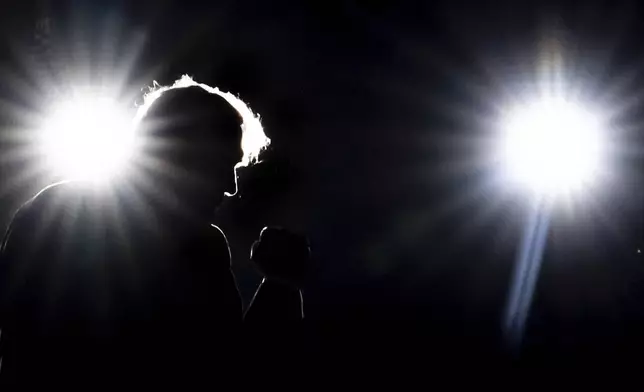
(254, 140)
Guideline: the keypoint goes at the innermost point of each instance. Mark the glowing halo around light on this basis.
(552, 146)
(87, 137)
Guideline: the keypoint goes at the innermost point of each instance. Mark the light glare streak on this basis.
(526, 271)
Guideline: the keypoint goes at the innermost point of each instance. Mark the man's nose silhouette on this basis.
(230, 184)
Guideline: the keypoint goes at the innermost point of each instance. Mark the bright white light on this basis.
(552, 146)
(87, 138)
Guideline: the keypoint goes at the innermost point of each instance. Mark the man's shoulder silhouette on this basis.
(78, 209)
(56, 211)
(56, 198)
(88, 243)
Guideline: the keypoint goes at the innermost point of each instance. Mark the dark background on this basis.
(381, 117)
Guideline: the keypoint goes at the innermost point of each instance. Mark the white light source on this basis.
(87, 137)
(552, 146)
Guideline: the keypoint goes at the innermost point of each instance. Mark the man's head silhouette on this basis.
(193, 137)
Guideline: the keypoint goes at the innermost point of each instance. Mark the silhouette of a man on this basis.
(131, 281)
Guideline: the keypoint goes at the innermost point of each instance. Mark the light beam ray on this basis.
(527, 269)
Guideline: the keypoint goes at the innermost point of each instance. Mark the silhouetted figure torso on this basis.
(90, 285)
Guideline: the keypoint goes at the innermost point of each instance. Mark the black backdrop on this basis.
(380, 116)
